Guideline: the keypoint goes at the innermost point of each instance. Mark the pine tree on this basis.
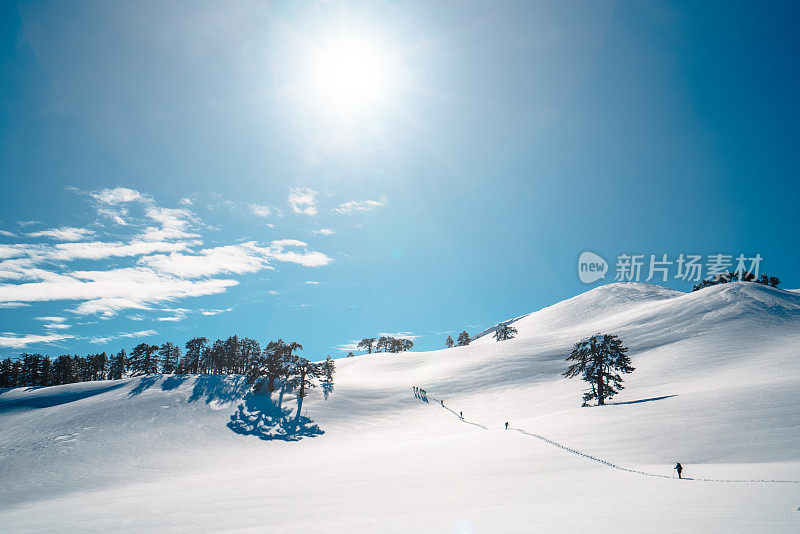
(599, 360)
(463, 339)
(118, 365)
(195, 349)
(328, 369)
(170, 354)
(504, 332)
(366, 344)
(143, 360)
(448, 343)
(251, 350)
(304, 374)
(5, 373)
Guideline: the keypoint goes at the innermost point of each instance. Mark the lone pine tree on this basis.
(448, 342)
(504, 332)
(599, 360)
(463, 339)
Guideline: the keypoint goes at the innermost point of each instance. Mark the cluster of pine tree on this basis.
(462, 341)
(385, 344)
(234, 355)
(724, 278)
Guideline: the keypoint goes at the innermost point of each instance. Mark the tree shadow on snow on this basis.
(219, 388)
(259, 415)
(145, 382)
(173, 382)
(642, 400)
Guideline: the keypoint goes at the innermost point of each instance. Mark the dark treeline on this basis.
(385, 344)
(234, 355)
(728, 277)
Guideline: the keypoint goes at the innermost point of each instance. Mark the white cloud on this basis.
(118, 195)
(348, 208)
(400, 335)
(65, 233)
(323, 231)
(301, 256)
(185, 201)
(312, 283)
(215, 311)
(9, 305)
(261, 210)
(52, 319)
(141, 333)
(303, 200)
(348, 347)
(174, 223)
(107, 292)
(14, 341)
(237, 259)
(6, 233)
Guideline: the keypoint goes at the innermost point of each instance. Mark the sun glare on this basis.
(352, 81)
(350, 76)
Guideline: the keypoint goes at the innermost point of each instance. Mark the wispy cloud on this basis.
(65, 233)
(141, 333)
(262, 210)
(215, 311)
(16, 341)
(400, 335)
(323, 231)
(303, 200)
(353, 206)
(6, 233)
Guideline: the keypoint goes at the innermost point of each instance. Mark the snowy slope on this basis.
(715, 387)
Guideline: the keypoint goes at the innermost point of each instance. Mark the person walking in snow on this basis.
(679, 469)
(506, 425)
(461, 415)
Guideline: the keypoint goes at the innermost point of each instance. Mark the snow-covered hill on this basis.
(716, 388)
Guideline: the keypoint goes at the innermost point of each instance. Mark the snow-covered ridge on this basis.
(715, 387)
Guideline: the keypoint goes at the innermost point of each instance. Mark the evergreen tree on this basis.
(328, 369)
(463, 339)
(448, 343)
(251, 350)
(195, 348)
(170, 354)
(5, 373)
(599, 360)
(118, 365)
(350, 355)
(304, 375)
(366, 344)
(504, 332)
(46, 372)
(143, 360)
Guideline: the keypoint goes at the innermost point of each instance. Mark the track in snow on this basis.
(440, 403)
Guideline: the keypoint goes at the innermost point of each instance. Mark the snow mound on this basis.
(715, 387)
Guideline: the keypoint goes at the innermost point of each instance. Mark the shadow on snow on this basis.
(259, 415)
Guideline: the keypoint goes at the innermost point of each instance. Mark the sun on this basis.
(351, 76)
(353, 79)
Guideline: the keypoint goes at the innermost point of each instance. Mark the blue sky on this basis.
(185, 168)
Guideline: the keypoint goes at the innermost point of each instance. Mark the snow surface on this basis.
(716, 388)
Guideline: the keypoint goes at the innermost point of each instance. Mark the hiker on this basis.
(506, 425)
(679, 468)
(442, 402)
(461, 415)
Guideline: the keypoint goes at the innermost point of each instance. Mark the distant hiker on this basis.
(461, 415)
(679, 469)
(506, 425)
(442, 402)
